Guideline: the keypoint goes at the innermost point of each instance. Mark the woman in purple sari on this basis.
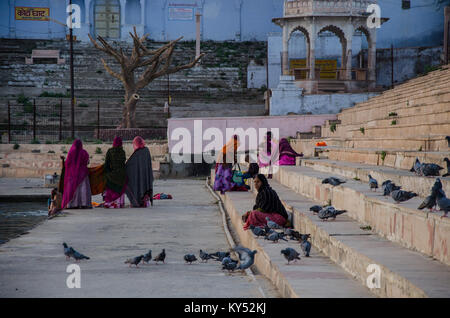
(115, 176)
(77, 190)
(287, 154)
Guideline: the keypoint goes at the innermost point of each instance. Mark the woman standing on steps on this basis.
(77, 190)
(267, 204)
(115, 176)
(140, 175)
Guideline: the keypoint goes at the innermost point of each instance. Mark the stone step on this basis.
(402, 223)
(399, 159)
(403, 273)
(404, 178)
(405, 131)
(309, 277)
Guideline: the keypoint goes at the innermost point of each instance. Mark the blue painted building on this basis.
(419, 24)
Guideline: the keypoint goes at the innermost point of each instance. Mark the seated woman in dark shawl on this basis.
(267, 204)
(77, 189)
(287, 154)
(140, 175)
(115, 176)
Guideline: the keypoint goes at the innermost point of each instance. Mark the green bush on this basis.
(35, 141)
(16, 146)
(333, 127)
(394, 122)
(392, 114)
(51, 94)
(98, 150)
(362, 130)
(48, 142)
(383, 155)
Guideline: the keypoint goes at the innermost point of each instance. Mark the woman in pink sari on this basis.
(77, 190)
(287, 154)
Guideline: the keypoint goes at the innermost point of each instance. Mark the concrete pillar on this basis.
(12, 20)
(143, 15)
(372, 57)
(122, 12)
(197, 34)
(311, 55)
(348, 60)
(284, 53)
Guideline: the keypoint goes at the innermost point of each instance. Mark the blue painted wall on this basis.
(241, 20)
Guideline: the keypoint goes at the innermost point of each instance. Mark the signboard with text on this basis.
(177, 13)
(32, 13)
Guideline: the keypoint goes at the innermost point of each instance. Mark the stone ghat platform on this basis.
(404, 273)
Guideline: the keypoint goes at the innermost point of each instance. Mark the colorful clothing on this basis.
(97, 179)
(139, 189)
(77, 191)
(258, 219)
(287, 154)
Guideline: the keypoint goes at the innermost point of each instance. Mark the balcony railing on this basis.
(313, 7)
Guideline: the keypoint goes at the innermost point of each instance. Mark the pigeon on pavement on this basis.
(189, 258)
(388, 186)
(430, 169)
(329, 212)
(443, 202)
(373, 183)
(246, 257)
(416, 168)
(306, 245)
(401, 196)
(258, 231)
(315, 208)
(275, 237)
(161, 257)
(333, 181)
(77, 256)
(67, 251)
(205, 256)
(290, 254)
(219, 256)
(134, 261)
(229, 264)
(272, 224)
(147, 257)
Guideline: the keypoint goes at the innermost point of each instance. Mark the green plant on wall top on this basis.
(362, 130)
(394, 122)
(383, 155)
(333, 127)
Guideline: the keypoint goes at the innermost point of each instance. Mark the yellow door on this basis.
(107, 18)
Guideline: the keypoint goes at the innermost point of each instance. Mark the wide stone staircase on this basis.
(407, 247)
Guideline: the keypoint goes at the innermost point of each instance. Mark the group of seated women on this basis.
(267, 203)
(114, 179)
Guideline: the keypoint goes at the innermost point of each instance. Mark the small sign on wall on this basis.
(32, 13)
(176, 13)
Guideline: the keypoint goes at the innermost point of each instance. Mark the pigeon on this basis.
(430, 169)
(147, 257)
(67, 251)
(295, 235)
(290, 254)
(429, 202)
(388, 186)
(443, 202)
(77, 256)
(306, 245)
(275, 237)
(272, 224)
(205, 256)
(447, 161)
(315, 208)
(134, 261)
(258, 231)
(373, 183)
(333, 181)
(161, 257)
(329, 212)
(416, 168)
(229, 264)
(189, 258)
(268, 230)
(220, 255)
(246, 257)
(401, 196)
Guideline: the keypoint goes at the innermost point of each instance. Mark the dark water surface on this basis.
(18, 218)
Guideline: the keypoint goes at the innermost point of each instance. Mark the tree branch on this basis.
(110, 71)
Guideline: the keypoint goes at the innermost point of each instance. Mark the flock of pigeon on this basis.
(269, 232)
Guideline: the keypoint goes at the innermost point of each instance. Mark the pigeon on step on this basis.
(443, 202)
(315, 208)
(161, 257)
(290, 254)
(430, 169)
(189, 258)
(134, 261)
(447, 162)
(229, 264)
(275, 237)
(246, 257)
(329, 212)
(416, 168)
(388, 186)
(401, 196)
(147, 257)
(219, 256)
(258, 231)
(305, 244)
(429, 202)
(373, 183)
(333, 181)
(76, 255)
(205, 256)
(272, 224)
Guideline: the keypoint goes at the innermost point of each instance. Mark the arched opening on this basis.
(133, 12)
(107, 18)
(361, 50)
(298, 53)
(329, 60)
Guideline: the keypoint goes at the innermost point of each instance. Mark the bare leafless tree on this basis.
(157, 63)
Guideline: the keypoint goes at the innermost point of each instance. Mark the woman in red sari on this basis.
(267, 204)
(77, 190)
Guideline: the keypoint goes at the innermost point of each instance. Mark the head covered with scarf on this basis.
(117, 142)
(286, 149)
(138, 143)
(226, 155)
(75, 170)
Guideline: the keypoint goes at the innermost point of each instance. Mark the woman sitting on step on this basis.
(140, 175)
(115, 176)
(77, 189)
(267, 204)
(287, 154)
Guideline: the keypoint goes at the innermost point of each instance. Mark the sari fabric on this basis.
(97, 179)
(140, 177)
(75, 171)
(287, 154)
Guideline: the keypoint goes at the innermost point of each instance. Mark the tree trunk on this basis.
(129, 110)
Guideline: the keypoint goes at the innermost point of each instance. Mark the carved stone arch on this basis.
(341, 36)
(303, 30)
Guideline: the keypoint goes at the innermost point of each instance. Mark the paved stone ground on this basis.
(33, 265)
